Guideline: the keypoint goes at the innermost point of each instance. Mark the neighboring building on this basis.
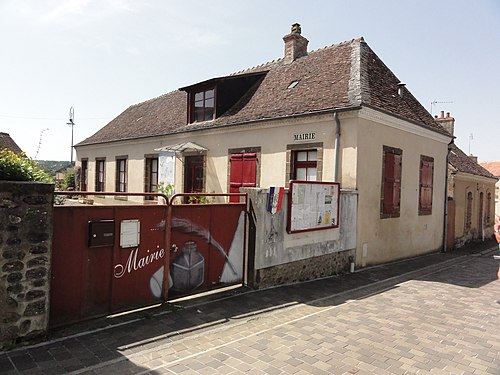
(494, 168)
(471, 191)
(334, 114)
(7, 142)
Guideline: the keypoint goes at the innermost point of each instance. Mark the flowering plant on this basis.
(19, 167)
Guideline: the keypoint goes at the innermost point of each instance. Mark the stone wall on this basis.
(302, 270)
(25, 250)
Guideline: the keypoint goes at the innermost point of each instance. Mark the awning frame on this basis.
(183, 147)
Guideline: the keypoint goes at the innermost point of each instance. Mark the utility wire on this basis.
(51, 118)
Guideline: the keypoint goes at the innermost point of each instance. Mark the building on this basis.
(334, 114)
(494, 168)
(7, 142)
(471, 192)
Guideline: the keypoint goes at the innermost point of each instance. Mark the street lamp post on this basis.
(72, 124)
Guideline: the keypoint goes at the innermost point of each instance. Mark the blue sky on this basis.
(101, 56)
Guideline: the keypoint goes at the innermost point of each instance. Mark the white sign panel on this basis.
(313, 205)
(166, 168)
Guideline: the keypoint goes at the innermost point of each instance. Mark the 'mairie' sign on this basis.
(304, 136)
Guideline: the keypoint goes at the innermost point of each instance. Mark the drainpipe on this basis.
(445, 229)
(337, 147)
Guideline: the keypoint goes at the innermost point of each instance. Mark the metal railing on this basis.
(180, 198)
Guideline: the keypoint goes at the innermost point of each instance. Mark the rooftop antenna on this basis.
(471, 137)
(433, 103)
(40, 142)
(72, 124)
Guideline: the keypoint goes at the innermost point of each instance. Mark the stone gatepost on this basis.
(25, 257)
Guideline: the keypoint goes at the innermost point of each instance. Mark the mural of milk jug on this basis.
(187, 270)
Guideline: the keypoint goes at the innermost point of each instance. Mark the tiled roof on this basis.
(463, 163)
(7, 142)
(492, 166)
(345, 75)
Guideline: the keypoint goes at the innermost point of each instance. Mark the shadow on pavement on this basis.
(69, 357)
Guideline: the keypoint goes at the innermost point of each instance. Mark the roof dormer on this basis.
(210, 99)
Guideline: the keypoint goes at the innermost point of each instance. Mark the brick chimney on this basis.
(295, 44)
(448, 122)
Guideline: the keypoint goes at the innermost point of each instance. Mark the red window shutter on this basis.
(396, 198)
(249, 172)
(425, 185)
(392, 183)
(426, 178)
(236, 173)
(389, 178)
(243, 172)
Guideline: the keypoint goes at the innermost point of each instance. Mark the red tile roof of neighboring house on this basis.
(7, 142)
(341, 76)
(492, 166)
(463, 163)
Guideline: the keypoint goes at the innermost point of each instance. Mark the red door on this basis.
(243, 173)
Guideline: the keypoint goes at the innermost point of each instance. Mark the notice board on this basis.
(313, 205)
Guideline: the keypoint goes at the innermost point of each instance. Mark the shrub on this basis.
(68, 182)
(18, 167)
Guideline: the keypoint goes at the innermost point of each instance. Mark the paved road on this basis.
(441, 319)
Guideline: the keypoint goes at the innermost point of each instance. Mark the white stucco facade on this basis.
(363, 134)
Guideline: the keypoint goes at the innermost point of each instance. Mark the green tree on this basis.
(68, 181)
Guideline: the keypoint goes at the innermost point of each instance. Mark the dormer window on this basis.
(203, 105)
(210, 99)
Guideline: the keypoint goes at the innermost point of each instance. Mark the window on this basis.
(391, 182)
(85, 175)
(426, 181)
(193, 174)
(468, 211)
(100, 181)
(203, 106)
(121, 175)
(305, 165)
(151, 175)
(304, 161)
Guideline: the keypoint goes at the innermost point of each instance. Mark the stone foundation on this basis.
(25, 250)
(303, 270)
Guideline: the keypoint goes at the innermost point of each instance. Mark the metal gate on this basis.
(113, 258)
